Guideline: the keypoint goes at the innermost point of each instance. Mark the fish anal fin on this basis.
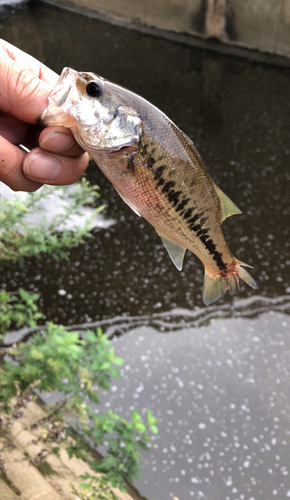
(127, 202)
(246, 277)
(175, 251)
(227, 206)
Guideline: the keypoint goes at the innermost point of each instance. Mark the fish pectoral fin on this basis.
(227, 206)
(176, 252)
(128, 202)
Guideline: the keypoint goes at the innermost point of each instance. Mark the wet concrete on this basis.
(221, 391)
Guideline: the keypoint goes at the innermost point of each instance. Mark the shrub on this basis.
(55, 358)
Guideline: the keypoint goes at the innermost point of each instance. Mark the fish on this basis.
(156, 170)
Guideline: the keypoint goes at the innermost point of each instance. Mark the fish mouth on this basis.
(61, 98)
(59, 95)
(63, 87)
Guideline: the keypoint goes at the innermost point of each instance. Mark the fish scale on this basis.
(156, 170)
(186, 211)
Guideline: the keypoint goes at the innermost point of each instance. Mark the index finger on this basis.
(30, 63)
(25, 84)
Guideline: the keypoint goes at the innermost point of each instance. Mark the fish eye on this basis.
(93, 89)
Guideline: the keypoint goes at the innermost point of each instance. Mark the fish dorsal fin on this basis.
(227, 206)
(176, 252)
(127, 202)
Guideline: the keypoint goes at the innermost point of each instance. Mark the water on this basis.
(221, 394)
(10, 2)
(217, 377)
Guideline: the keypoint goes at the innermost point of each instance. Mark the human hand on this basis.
(25, 84)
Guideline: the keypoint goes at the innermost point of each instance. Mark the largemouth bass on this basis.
(156, 170)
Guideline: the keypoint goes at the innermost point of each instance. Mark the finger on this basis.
(11, 173)
(46, 168)
(18, 132)
(59, 140)
(14, 130)
(30, 63)
(54, 139)
(22, 93)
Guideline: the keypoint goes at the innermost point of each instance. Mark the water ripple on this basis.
(171, 321)
(250, 307)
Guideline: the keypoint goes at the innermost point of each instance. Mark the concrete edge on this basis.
(131, 489)
(200, 42)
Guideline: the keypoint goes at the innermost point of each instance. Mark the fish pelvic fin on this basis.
(175, 252)
(227, 206)
(216, 285)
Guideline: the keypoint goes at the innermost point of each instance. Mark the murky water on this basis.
(218, 377)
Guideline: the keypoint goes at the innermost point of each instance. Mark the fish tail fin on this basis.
(216, 285)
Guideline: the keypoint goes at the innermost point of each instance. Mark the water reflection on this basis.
(11, 2)
(179, 318)
(221, 393)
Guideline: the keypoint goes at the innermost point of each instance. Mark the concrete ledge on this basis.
(262, 25)
(49, 481)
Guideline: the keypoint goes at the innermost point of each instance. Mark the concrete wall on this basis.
(49, 479)
(263, 25)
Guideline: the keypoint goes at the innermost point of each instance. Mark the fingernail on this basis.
(42, 167)
(57, 142)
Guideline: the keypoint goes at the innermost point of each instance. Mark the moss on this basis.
(45, 469)
(9, 483)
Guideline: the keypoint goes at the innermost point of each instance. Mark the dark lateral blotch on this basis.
(173, 196)
(168, 186)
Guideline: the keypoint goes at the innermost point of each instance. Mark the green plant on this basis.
(18, 310)
(94, 488)
(19, 239)
(55, 358)
(58, 359)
